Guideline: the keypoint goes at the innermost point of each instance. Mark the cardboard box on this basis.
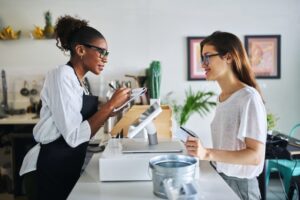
(163, 122)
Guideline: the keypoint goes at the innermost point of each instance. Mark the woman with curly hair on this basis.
(69, 116)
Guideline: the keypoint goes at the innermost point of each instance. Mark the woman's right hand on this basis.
(119, 97)
(107, 110)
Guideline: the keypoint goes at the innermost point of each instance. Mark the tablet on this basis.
(132, 146)
(144, 119)
(135, 93)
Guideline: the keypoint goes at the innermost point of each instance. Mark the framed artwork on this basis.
(194, 66)
(264, 55)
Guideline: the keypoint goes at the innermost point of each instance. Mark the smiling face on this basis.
(92, 59)
(215, 66)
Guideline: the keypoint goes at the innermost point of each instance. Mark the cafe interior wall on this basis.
(140, 31)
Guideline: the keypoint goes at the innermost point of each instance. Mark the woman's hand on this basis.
(195, 148)
(106, 110)
(119, 97)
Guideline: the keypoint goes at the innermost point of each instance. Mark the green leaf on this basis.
(199, 102)
(271, 121)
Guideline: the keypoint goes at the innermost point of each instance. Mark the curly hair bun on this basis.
(64, 28)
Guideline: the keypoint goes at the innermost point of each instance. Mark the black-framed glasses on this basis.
(103, 52)
(205, 58)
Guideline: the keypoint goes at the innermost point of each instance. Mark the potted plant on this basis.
(48, 29)
(153, 74)
(195, 102)
(271, 122)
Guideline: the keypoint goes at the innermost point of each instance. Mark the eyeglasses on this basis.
(205, 58)
(103, 52)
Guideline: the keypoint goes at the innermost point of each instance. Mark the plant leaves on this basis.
(199, 102)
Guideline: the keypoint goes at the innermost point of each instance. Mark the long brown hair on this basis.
(229, 43)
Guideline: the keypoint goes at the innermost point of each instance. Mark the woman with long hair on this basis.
(239, 127)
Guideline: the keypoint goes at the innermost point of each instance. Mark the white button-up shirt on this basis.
(60, 114)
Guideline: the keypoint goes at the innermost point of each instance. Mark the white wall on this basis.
(139, 31)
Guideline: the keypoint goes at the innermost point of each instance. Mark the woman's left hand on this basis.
(195, 148)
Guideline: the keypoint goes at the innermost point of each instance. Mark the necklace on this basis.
(82, 83)
(85, 86)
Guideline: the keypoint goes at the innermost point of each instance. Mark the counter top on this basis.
(88, 187)
(28, 118)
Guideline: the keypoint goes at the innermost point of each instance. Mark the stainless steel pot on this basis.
(179, 168)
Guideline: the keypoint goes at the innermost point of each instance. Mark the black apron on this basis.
(59, 165)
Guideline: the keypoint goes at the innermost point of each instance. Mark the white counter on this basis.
(88, 187)
(19, 119)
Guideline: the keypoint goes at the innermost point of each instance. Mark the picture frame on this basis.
(193, 59)
(264, 55)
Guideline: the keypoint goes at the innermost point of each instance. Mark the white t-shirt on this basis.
(60, 115)
(242, 115)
